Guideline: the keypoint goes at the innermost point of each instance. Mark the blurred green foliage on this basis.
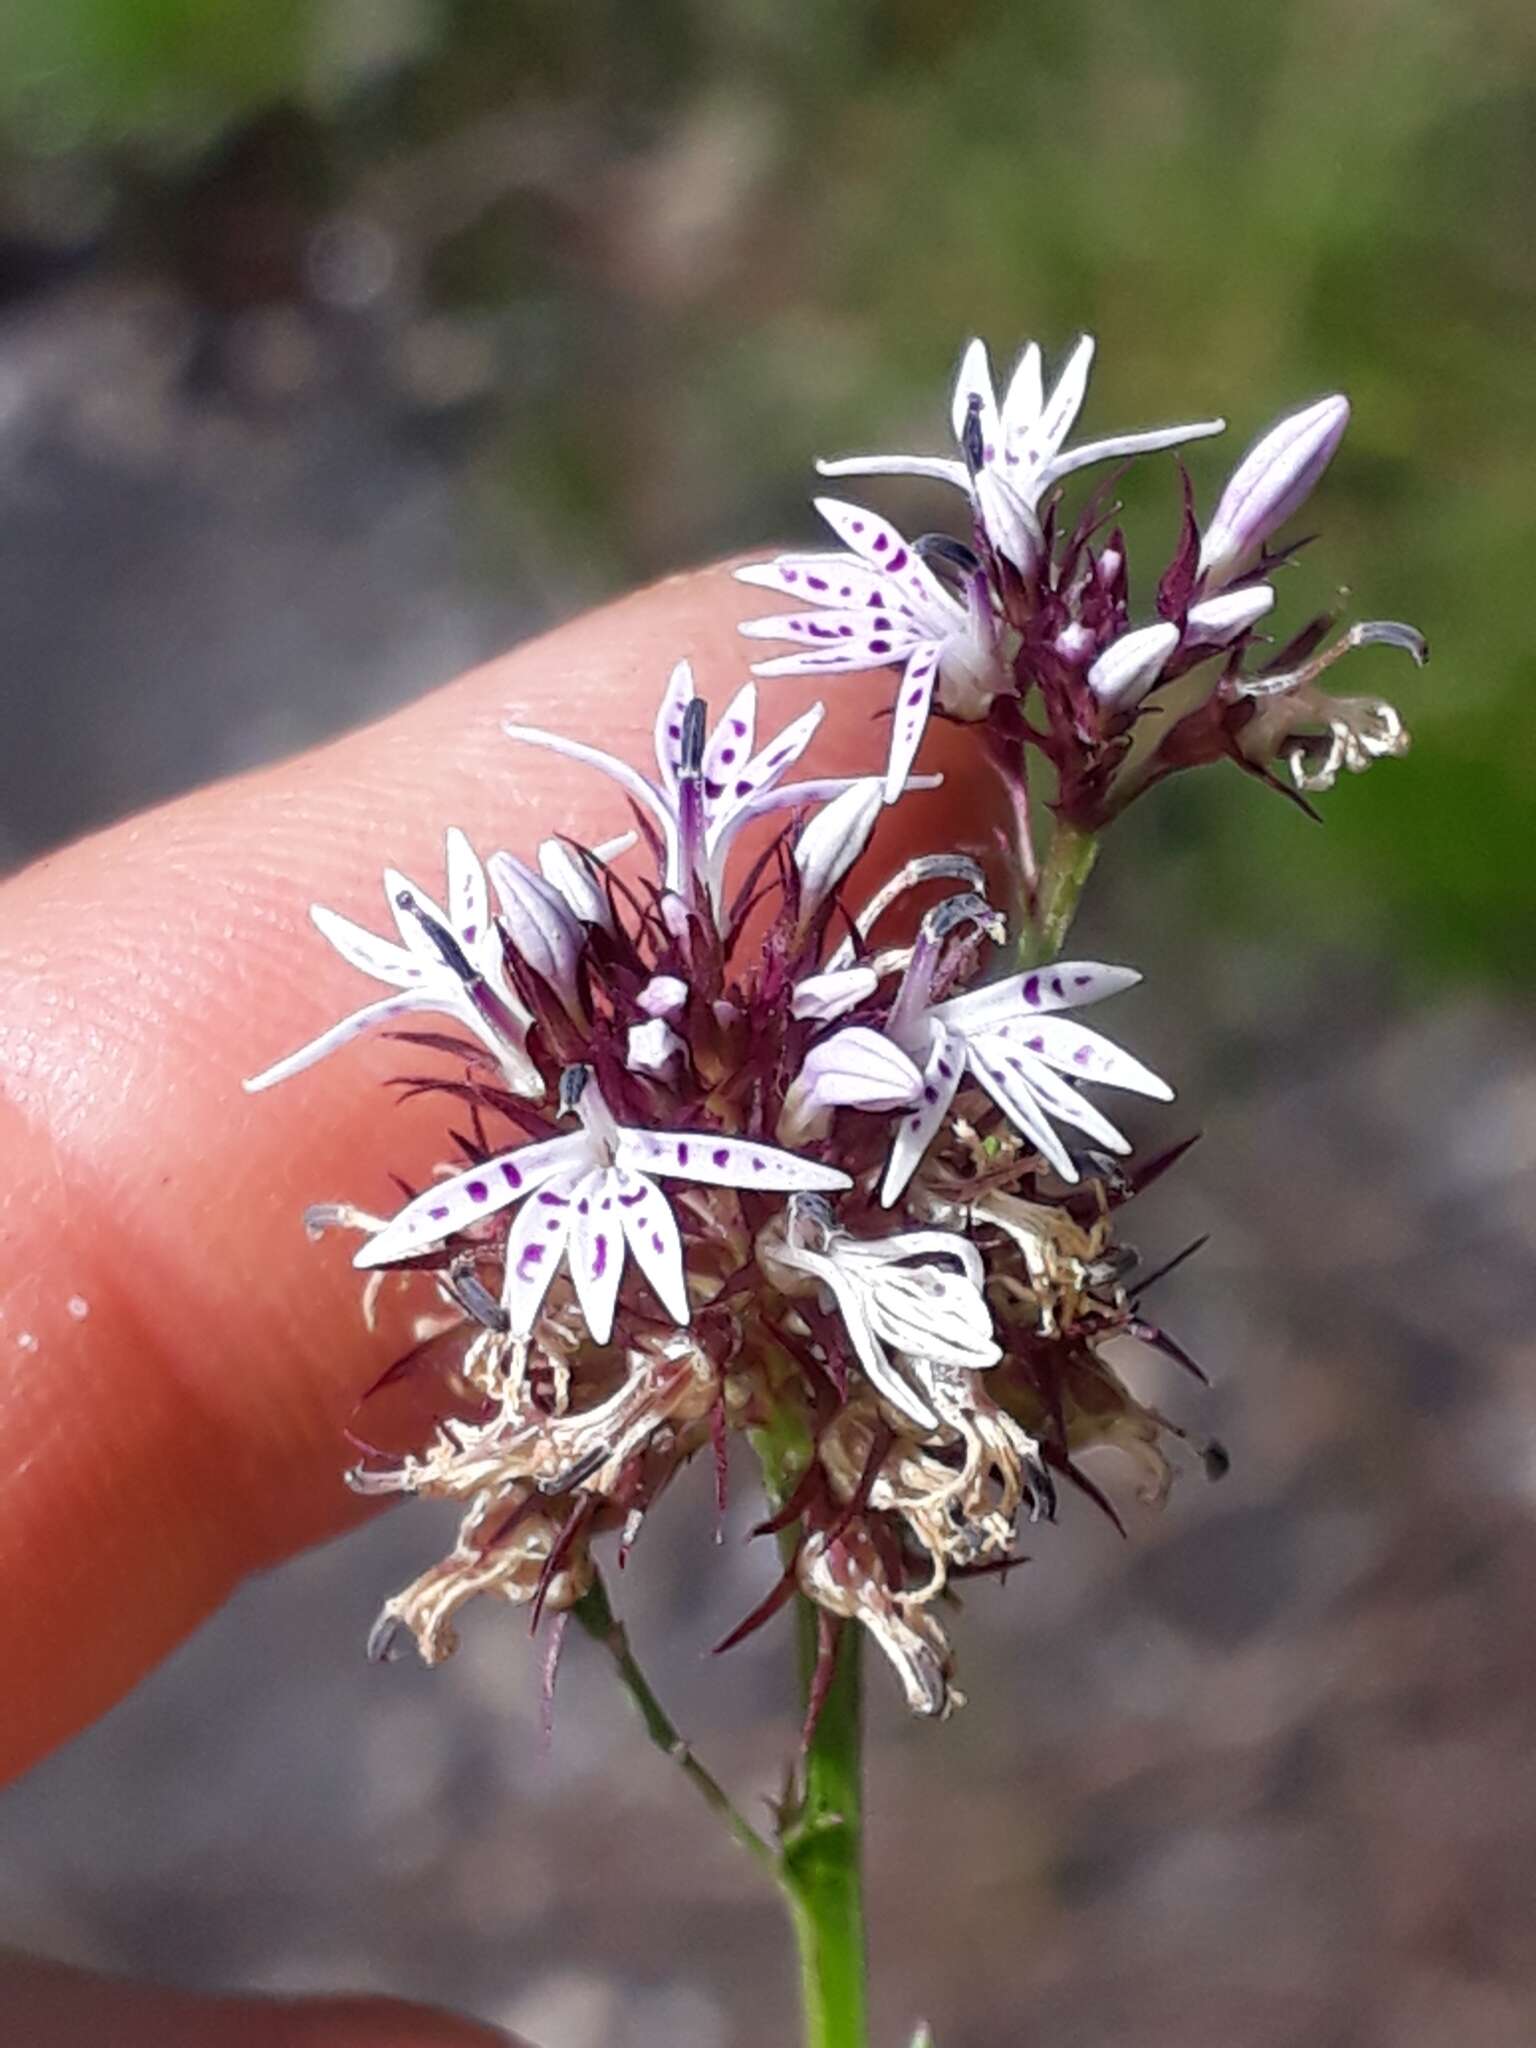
(749, 231)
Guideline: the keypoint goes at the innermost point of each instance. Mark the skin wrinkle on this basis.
(179, 957)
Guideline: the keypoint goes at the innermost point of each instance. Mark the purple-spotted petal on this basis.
(839, 582)
(596, 1249)
(669, 724)
(453, 1205)
(1066, 986)
(730, 747)
(468, 899)
(757, 777)
(914, 700)
(651, 1229)
(535, 1245)
(1053, 1095)
(723, 1162)
(941, 1077)
(1066, 1045)
(877, 542)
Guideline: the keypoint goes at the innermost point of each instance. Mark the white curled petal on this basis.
(1069, 985)
(942, 1073)
(449, 1206)
(669, 724)
(914, 700)
(860, 1069)
(933, 1315)
(1005, 1079)
(536, 1244)
(830, 995)
(652, 1233)
(879, 1368)
(1086, 1055)
(382, 1012)
(380, 958)
(720, 1162)
(1129, 666)
(595, 1252)
(833, 840)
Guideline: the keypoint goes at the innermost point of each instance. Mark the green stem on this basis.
(821, 1864)
(604, 1626)
(1068, 864)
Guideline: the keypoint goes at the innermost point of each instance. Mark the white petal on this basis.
(720, 1162)
(1065, 1044)
(669, 724)
(535, 1245)
(730, 745)
(1129, 666)
(380, 958)
(1025, 398)
(860, 1069)
(1069, 985)
(1117, 446)
(1055, 1098)
(941, 469)
(381, 1012)
(852, 1299)
(469, 1197)
(838, 582)
(757, 778)
(468, 900)
(941, 1077)
(831, 994)
(914, 700)
(934, 1315)
(974, 383)
(1059, 414)
(651, 1229)
(1005, 1079)
(831, 843)
(628, 779)
(596, 1249)
(879, 636)
(400, 889)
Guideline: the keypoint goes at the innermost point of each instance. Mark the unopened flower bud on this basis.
(653, 1047)
(540, 924)
(1216, 620)
(1268, 485)
(576, 874)
(664, 995)
(1129, 666)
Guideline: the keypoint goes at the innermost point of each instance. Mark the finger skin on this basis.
(177, 1363)
(45, 2005)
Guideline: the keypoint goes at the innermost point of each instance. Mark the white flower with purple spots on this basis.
(1014, 453)
(707, 786)
(590, 1197)
(876, 605)
(447, 960)
(1008, 1034)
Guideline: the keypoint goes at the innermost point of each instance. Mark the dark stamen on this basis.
(452, 953)
(690, 762)
(972, 445)
(573, 1084)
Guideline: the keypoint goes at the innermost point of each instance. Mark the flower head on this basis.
(1013, 454)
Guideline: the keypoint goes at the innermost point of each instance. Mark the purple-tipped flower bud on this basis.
(540, 924)
(1268, 485)
(1129, 666)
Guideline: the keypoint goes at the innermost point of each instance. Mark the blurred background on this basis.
(344, 342)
